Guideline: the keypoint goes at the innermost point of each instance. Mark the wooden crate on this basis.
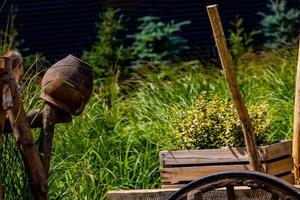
(181, 167)
(242, 193)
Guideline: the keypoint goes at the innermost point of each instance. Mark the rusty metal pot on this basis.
(68, 84)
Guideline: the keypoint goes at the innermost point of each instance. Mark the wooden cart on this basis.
(179, 168)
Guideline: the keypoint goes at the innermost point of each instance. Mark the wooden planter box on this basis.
(181, 167)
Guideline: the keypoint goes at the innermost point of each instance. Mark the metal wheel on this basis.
(272, 187)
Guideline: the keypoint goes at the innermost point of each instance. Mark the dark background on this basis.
(56, 28)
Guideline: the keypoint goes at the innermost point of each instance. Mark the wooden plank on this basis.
(184, 174)
(243, 193)
(288, 178)
(151, 194)
(195, 195)
(206, 156)
(225, 155)
(280, 166)
(278, 150)
(171, 186)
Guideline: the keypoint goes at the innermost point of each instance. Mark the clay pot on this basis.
(68, 84)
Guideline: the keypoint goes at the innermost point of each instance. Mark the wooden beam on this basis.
(35, 120)
(50, 114)
(12, 104)
(296, 132)
(228, 68)
(2, 121)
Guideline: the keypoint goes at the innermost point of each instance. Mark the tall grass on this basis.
(116, 145)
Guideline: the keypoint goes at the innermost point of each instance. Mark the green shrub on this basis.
(8, 35)
(157, 41)
(212, 122)
(108, 51)
(279, 27)
(240, 41)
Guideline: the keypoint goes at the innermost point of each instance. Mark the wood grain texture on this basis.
(16, 115)
(296, 131)
(230, 77)
(181, 167)
(151, 194)
(224, 155)
(46, 136)
(241, 193)
(2, 121)
(179, 175)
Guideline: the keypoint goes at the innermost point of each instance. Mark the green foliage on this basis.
(8, 35)
(157, 41)
(279, 27)
(35, 63)
(108, 148)
(240, 41)
(212, 122)
(108, 51)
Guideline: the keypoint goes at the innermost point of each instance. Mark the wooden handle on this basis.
(296, 133)
(227, 65)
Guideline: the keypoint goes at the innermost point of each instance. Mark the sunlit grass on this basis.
(116, 145)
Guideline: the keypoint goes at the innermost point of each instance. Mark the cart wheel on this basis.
(274, 187)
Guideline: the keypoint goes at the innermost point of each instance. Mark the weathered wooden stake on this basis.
(296, 135)
(227, 65)
(2, 121)
(47, 133)
(16, 115)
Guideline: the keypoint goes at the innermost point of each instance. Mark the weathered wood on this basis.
(296, 132)
(181, 167)
(242, 193)
(45, 143)
(179, 175)
(167, 185)
(195, 195)
(224, 155)
(203, 156)
(2, 121)
(277, 150)
(280, 166)
(227, 65)
(16, 115)
(150, 194)
(288, 178)
(35, 120)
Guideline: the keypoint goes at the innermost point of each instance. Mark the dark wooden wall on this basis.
(58, 27)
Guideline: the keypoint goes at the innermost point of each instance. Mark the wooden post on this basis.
(296, 134)
(2, 121)
(16, 115)
(47, 133)
(227, 65)
(35, 119)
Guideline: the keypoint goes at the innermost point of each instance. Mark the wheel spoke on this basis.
(195, 195)
(230, 193)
